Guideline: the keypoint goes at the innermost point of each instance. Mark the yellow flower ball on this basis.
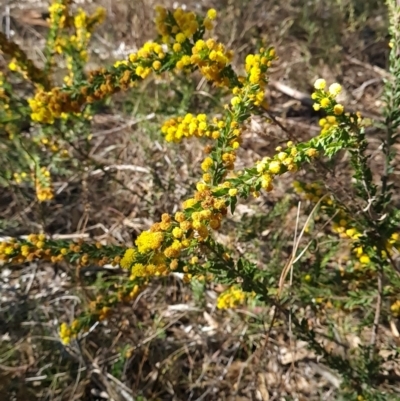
(177, 232)
(364, 259)
(320, 84)
(312, 152)
(201, 186)
(233, 192)
(176, 47)
(212, 14)
(156, 65)
(322, 122)
(274, 167)
(338, 109)
(207, 24)
(199, 45)
(235, 100)
(180, 37)
(325, 102)
(335, 89)
(207, 163)
(282, 156)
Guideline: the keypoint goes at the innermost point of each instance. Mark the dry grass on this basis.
(172, 344)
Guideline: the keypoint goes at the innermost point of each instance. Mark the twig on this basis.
(299, 124)
(7, 18)
(313, 238)
(376, 69)
(359, 92)
(120, 384)
(303, 98)
(377, 315)
(289, 264)
(32, 279)
(292, 348)
(284, 273)
(129, 124)
(36, 378)
(120, 167)
(78, 377)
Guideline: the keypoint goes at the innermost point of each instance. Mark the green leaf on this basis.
(233, 202)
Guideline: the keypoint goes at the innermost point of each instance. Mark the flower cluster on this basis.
(159, 248)
(43, 193)
(22, 64)
(47, 106)
(312, 191)
(7, 109)
(42, 179)
(59, 14)
(395, 308)
(179, 29)
(256, 68)
(231, 298)
(75, 45)
(3, 94)
(284, 160)
(150, 57)
(67, 333)
(59, 20)
(212, 59)
(41, 247)
(99, 309)
(150, 240)
(69, 36)
(326, 100)
(181, 25)
(177, 128)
